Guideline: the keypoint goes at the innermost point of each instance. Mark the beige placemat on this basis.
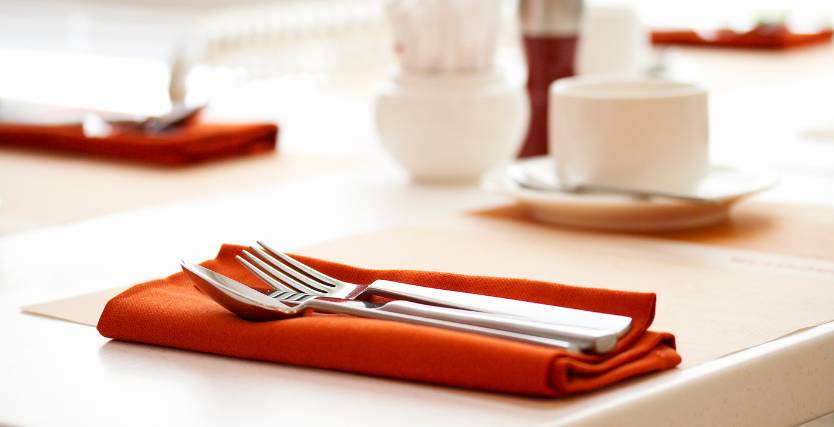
(84, 309)
(120, 186)
(787, 229)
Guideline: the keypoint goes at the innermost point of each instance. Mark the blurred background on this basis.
(136, 55)
(312, 66)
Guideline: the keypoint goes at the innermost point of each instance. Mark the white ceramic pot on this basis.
(451, 127)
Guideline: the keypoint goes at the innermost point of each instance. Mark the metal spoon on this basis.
(539, 182)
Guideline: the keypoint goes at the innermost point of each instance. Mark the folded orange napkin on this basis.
(172, 312)
(190, 143)
(763, 36)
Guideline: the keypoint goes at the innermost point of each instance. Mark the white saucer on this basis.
(618, 212)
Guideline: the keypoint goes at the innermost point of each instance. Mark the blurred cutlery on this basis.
(96, 124)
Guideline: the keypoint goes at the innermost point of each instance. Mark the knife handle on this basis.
(359, 309)
(593, 340)
(530, 311)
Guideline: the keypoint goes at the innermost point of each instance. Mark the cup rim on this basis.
(624, 88)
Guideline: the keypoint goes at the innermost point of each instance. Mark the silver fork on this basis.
(251, 304)
(280, 270)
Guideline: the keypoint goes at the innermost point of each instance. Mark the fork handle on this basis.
(531, 311)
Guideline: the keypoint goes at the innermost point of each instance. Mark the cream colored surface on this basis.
(77, 187)
(716, 301)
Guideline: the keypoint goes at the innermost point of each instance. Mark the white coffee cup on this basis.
(639, 134)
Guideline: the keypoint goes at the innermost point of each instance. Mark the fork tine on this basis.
(297, 275)
(289, 281)
(303, 267)
(269, 280)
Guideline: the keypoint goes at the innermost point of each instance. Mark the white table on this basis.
(84, 379)
(59, 373)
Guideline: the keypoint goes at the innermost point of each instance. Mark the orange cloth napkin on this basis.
(172, 312)
(763, 36)
(190, 143)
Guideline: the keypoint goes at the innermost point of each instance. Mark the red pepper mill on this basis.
(550, 29)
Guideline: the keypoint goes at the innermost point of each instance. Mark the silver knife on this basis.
(585, 339)
(300, 276)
